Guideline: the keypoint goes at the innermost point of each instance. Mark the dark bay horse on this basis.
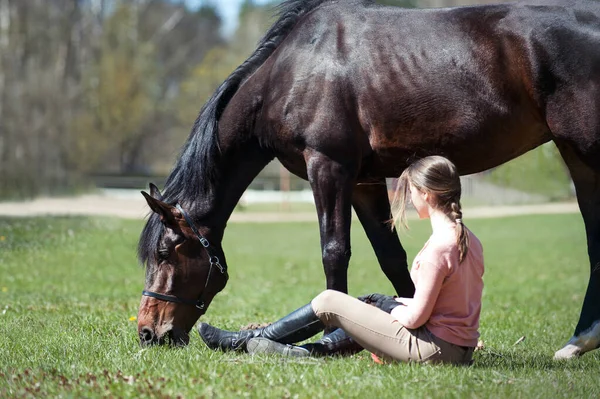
(349, 92)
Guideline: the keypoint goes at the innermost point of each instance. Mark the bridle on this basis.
(214, 261)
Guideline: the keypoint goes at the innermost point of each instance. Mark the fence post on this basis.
(284, 186)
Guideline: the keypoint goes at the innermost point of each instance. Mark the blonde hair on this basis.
(437, 176)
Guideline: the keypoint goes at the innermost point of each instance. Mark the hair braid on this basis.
(462, 238)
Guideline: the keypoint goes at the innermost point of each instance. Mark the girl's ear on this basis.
(429, 199)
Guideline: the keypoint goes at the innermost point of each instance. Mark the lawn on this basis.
(70, 287)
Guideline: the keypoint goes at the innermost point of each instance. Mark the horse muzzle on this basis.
(174, 337)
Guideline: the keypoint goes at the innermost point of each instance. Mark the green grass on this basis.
(68, 287)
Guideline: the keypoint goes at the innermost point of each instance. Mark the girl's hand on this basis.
(404, 301)
(397, 311)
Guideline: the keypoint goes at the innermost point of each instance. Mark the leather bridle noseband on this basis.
(214, 261)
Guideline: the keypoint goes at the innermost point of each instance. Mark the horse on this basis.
(347, 93)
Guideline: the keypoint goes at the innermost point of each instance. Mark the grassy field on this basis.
(70, 287)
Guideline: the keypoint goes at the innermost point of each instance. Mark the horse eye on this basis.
(163, 253)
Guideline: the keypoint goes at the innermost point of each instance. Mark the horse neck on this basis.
(237, 158)
(238, 167)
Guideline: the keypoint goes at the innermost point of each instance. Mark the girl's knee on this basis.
(325, 299)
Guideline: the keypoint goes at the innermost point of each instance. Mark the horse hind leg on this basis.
(585, 172)
(372, 206)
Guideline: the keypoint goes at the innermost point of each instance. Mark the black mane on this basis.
(195, 170)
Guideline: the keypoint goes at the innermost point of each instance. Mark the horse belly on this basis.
(472, 150)
(476, 128)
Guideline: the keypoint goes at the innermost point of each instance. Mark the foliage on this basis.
(540, 171)
(69, 289)
(220, 61)
(118, 91)
(133, 89)
(91, 86)
(37, 66)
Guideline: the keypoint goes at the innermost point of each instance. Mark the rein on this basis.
(214, 261)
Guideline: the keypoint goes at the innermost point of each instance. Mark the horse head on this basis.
(184, 271)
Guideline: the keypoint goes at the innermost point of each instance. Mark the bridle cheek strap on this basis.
(171, 298)
(214, 261)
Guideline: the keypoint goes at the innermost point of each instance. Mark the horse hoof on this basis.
(586, 341)
(570, 351)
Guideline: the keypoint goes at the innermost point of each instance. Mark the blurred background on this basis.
(98, 96)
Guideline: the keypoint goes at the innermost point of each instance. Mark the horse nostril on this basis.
(146, 335)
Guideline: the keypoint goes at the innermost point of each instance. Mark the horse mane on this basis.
(195, 170)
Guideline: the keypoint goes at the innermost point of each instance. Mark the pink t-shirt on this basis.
(447, 293)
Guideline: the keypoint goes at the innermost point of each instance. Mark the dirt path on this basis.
(136, 208)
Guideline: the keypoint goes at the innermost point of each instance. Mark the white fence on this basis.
(476, 191)
(267, 187)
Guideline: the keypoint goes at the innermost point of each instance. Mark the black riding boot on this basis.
(299, 325)
(337, 343)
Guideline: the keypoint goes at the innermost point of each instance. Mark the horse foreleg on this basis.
(587, 184)
(372, 207)
(332, 185)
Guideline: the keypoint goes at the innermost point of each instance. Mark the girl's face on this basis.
(419, 201)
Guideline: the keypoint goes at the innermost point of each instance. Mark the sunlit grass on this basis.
(70, 287)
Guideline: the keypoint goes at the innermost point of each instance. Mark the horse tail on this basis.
(187, 182)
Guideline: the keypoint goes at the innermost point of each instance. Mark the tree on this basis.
(91, 85)
(145, 53)
(38, 65)
(221, 60)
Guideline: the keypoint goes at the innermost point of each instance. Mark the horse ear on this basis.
(166, 212)
(155, 192)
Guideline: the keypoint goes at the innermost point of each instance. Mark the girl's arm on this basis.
(418, 309)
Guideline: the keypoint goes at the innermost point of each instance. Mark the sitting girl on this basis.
(440, 324)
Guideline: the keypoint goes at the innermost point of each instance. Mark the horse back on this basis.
(392, 83)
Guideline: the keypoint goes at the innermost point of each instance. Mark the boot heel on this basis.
(268, 347)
